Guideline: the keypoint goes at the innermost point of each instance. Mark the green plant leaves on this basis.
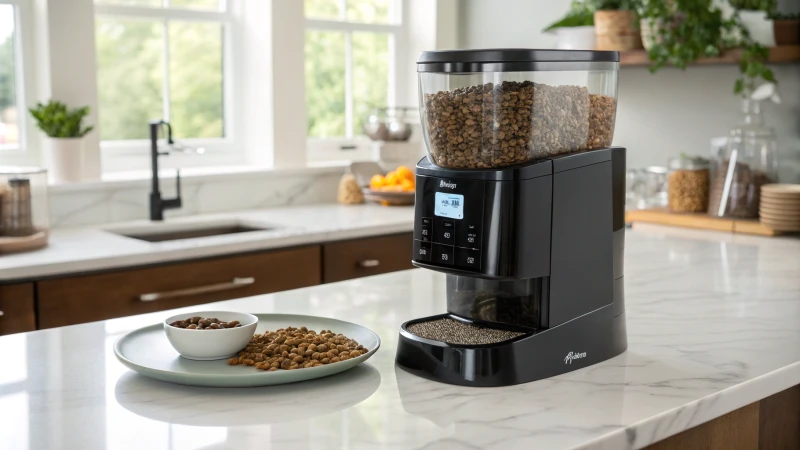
(687, 30)
(58, 121)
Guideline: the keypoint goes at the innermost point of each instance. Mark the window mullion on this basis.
(348, 84)
(343, 10)
(165, 68)
(20, 83)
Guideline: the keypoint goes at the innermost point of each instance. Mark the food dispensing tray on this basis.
(534, 355)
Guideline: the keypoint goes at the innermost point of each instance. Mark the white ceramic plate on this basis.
(148, 352)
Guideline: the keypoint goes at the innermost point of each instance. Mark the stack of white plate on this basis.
(780, 206)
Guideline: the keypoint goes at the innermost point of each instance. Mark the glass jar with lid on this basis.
(24, 209)
(688, 184)
(749, 161)
(483, 109)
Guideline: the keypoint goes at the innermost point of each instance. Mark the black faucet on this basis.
(158, 204)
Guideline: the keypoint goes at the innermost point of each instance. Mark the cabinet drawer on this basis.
(16, 305)
(78, 299)
(364, 257)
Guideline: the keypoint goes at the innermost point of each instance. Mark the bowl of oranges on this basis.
(395, 188)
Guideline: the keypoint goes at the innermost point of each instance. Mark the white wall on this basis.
(659, 115)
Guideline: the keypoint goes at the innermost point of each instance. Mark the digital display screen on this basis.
(449, 205)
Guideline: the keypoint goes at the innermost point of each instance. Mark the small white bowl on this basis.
(207, 345)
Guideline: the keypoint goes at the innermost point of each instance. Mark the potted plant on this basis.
(680, 32)
(754, 16)
(786, 28)
(575, 31)
(64, 143)
(616, 25)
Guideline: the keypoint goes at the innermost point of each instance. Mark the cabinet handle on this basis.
(2, 313)
(369, 263)
(234, 284)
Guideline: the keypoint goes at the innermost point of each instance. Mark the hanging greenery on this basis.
(683, 31)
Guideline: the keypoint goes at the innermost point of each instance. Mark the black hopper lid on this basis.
(514, 60)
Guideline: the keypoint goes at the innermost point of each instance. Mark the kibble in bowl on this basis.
(210, 340)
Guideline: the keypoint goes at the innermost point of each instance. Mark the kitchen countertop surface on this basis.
(712, 326)
(84, 249)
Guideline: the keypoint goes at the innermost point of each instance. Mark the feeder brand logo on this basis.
(573, 355)
(447, 184)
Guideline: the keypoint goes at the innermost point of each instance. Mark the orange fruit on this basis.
(404, 171)
(377, 181)
(393, 179)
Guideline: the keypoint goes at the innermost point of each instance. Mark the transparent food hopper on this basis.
(483, 109)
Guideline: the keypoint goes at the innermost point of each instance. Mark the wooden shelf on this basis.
(782, 54)
(701, 221)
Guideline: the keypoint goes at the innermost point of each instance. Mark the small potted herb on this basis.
(753, 14)
(575, 31)
(786, 28)
(64, 144)
(616, 25)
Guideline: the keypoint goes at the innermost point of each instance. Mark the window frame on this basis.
(124, 155)
(20, 153)
(358, 146)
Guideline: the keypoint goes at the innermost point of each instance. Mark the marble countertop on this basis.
(712, 326)
(83, 249)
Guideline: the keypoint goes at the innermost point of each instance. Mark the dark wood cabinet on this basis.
(768, 424)
(364, 257)
(74, 299)
(17, 312)
(87, 298)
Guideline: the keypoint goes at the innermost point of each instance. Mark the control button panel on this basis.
(448, 228)
(422, 251)
(471, 238)
(426, 230)
(467, 259)
(442, 254)
(447, 232)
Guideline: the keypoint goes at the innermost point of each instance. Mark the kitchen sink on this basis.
(174, 232)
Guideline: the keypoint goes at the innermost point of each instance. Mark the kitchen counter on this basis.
(712, 326)
(85, 249)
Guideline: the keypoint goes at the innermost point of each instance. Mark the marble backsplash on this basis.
(110, 202)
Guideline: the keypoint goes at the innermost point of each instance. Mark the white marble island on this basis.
(713, 325)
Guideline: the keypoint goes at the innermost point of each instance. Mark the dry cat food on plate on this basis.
(201, 323)
(296, 348)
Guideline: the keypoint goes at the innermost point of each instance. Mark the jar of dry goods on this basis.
(483, 109)
(687, 184)
(749, 161)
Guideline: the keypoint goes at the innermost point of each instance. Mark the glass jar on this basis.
(749, 161)
(635, 189)
(24, 208)
(483, 109)
(687, 184)
(655, 187)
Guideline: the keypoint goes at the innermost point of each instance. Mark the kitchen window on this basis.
(12, 95)
(353, 50)
(169, 59)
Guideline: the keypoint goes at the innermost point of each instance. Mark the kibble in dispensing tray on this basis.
(452, 331)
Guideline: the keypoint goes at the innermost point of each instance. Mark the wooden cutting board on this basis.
(700, 221)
